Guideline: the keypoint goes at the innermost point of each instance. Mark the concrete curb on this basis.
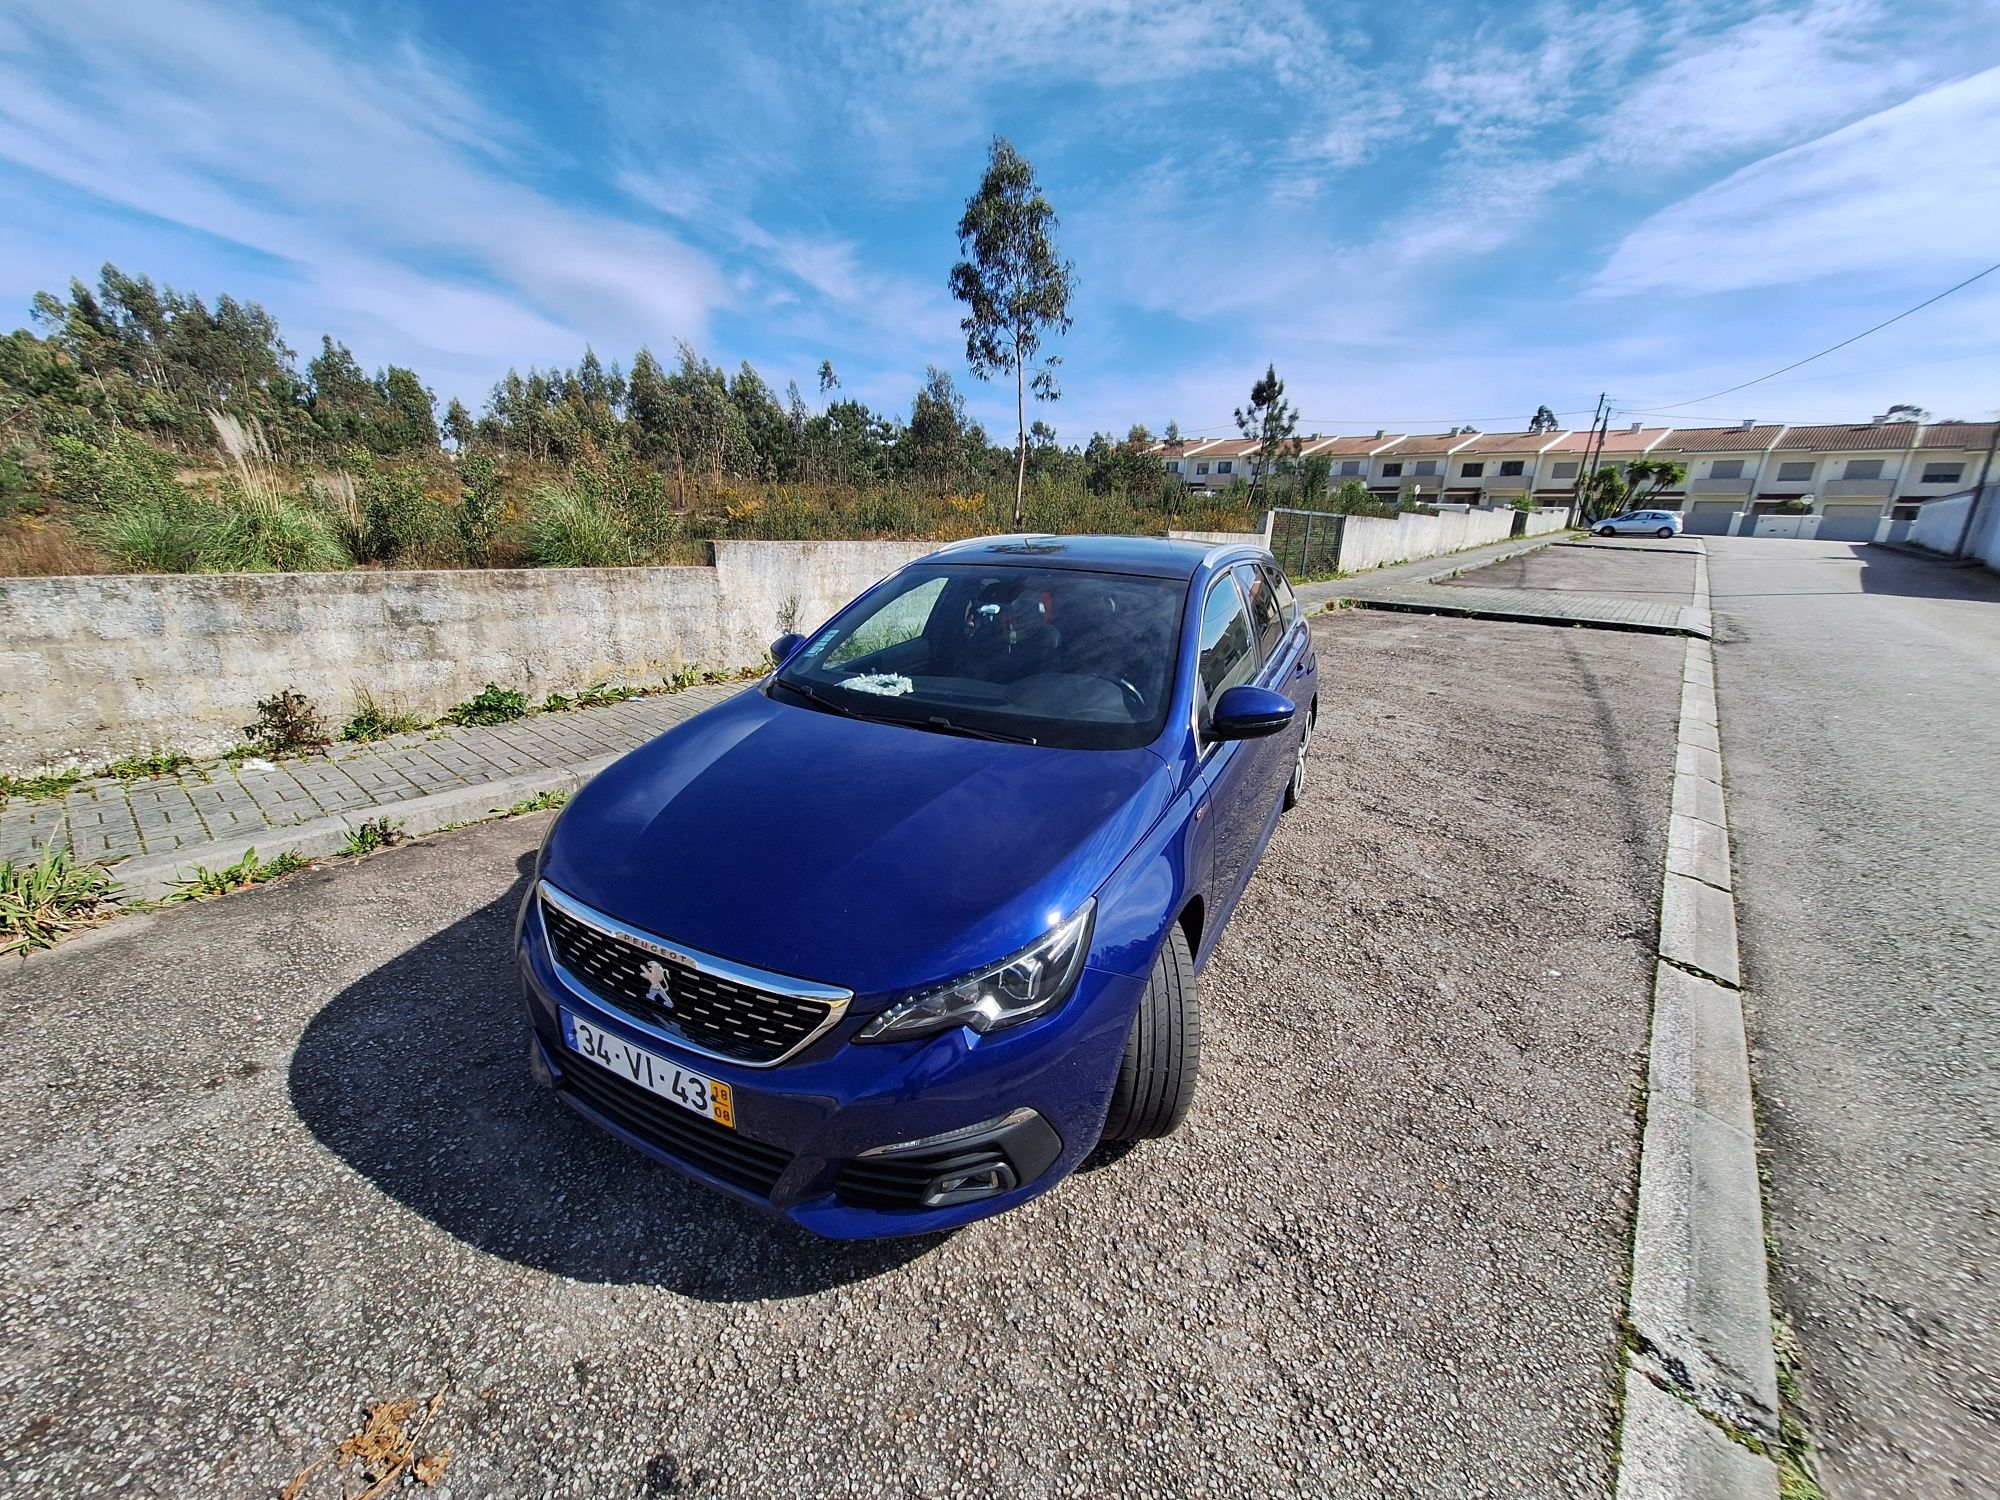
(1701, 1382)
(149, 877)
(1670, 1453)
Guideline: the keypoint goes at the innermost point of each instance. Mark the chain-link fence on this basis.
(1306, 543)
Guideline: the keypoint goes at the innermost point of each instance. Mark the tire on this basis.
(1298, 782)
(1664, 531)
(1156, 1075)
(1606, 531)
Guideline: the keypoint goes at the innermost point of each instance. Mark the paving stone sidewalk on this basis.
(215, 802)
(1437, 586)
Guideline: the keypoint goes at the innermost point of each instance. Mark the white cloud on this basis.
(358, 175)
(1897, 195)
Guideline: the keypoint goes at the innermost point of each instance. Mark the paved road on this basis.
(270, 1158)
(1860, 697)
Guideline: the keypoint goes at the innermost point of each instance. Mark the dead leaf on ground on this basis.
(384, 1449)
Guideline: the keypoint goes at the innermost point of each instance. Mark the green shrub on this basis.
(39, 902)
(402, 523)
(569, 529)
(286, 723)
(479, 507)
(150, 537)
(270, 534)
(492, 705)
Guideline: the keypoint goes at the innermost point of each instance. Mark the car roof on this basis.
(1151, 556)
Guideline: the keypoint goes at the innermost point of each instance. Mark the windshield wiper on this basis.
(939, 721)
(814, 695)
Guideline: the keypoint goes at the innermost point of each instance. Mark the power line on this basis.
(1696, 401)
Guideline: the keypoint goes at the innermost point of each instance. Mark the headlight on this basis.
(1031, 983)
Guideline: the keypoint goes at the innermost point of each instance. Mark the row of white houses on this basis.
(1851, 476)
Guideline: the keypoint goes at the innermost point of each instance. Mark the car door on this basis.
(1277, 653)
(1229, 808)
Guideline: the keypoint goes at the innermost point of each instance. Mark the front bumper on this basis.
(809, 1134)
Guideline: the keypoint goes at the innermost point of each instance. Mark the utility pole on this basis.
(1600, 427)
(1576, 487)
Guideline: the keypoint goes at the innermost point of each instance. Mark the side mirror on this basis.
(783, 647)
(1250, 713)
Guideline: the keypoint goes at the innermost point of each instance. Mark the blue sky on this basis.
(1422, 214)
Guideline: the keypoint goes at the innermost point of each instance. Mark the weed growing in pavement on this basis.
(493, 704)
(376, 833)
(602, 694)
(46, 784)
(40, 902)
(286, 723)
(373, 721)
(556, 703)
(246, 872)
(151, 764)
(540, 802)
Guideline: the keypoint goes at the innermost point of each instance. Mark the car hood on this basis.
(868, 855)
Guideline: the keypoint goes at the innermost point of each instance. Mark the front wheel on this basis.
(1664, 531)
(1606, 531)
(1156, 1075)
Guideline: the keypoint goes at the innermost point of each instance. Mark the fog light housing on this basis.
(958, 1166)
(969, 1184)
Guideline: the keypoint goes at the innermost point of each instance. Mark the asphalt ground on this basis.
(1860, 707)
(271, 1159)
(1661, 573)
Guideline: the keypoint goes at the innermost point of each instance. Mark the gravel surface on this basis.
(276, 1157)
(1662, 573)
(1860, 706)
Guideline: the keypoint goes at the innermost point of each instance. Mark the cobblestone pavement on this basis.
(106, 820)
(1469, 583)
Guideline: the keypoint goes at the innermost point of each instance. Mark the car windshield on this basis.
(1051, 656)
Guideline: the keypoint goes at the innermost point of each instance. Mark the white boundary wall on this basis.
(1939, 523)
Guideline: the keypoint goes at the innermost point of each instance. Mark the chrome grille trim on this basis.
(832, 997)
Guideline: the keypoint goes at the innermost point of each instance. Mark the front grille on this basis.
(735, 1021)
(714, 1148)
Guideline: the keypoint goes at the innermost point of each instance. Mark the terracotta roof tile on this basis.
(1848, 438)
(1962, 436)
(1525, 443)
(1720, 439)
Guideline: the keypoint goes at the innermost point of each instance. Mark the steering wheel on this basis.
(1134, 699)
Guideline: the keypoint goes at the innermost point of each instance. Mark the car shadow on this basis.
(416, 1076)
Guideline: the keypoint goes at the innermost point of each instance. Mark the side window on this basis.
(1281, 587)
(1263, 608)
(1228, 652)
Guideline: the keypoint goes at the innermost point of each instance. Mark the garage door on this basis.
(1709, 517)
(1849, 523)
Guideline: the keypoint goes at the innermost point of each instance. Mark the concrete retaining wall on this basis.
(95, 668)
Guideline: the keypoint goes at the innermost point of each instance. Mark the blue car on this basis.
(892, 941)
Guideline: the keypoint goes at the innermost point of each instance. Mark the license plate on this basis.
(707, 1097)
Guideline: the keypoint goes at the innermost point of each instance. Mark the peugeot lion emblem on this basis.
(655, 974)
